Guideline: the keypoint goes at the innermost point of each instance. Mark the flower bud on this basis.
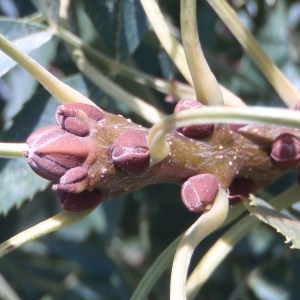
(64, 153)
(199, 192)
(75, 117)
(52, 151)
(75, 180)
(286, 150)
(61, 157)
(130, 152)
(193, 131)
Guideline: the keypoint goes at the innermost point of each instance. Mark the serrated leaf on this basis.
(23, 183)
(26, 37)
(121, 24)
(288, 227)
(21, 85)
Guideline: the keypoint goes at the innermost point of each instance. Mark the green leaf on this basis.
(18, 183)
(285, 225)
(20, 85)
(120, 23)
(26, 37)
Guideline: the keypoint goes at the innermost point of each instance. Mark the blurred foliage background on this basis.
(105, 256)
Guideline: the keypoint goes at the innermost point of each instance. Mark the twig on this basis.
(12, 149)
(205, 84)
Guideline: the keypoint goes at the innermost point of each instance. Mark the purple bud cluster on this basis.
(63, 153)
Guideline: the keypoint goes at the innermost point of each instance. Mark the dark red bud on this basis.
(240, 188)
(74, 180)
(286, 150)
(74, 117)
(79, 202)
(53, 151)
(130, 152)
(43, 166)
(199, 192)
(193, 131)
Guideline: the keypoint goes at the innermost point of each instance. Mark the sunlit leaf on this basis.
(285, 225)
(20, 85)
(26, 37)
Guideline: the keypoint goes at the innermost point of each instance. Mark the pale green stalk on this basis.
(114, 67)
(59, 90)
(230, 99)
(54, 223)
(178, 89)
(223, 246)
(126, 71)
(217, 253)
(6, 291)
(165, 259)
(208, 222)
(175, 49)
(205, 84)
(139, 106)
(159, 148)
(166, 38)
(155, 271)
(12, 149)
(281, 84)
